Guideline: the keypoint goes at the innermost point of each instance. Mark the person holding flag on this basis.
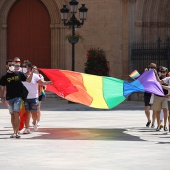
(42, 94)
(147, 101)
(147, 96)
(11, 82)
(32, 101)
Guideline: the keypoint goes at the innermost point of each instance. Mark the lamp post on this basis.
(73, 22)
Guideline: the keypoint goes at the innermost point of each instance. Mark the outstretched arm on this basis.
(42, 82)
(166, 87)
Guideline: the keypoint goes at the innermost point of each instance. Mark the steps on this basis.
(52, 96)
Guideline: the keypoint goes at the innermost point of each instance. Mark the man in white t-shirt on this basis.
(32, 102)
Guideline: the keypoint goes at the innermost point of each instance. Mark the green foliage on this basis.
(97, 63)
(74, 36)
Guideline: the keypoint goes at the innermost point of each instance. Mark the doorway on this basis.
(29, 33)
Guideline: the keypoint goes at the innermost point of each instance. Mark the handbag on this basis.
(24, 92)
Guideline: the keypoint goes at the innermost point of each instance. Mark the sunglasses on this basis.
(11, 65)
(163, 71)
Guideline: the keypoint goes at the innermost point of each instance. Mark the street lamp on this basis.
(73, 22)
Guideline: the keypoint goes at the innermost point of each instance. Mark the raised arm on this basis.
(30, 77)
(157, 77)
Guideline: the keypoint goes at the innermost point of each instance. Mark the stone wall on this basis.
(106, 27)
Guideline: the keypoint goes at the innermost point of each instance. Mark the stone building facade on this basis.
(112, 25)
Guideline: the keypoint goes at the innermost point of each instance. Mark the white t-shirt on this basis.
(167, 81)
(32, 87)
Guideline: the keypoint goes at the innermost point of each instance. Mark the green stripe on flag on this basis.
(113, 91)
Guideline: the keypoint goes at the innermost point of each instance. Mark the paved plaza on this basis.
(76, 137)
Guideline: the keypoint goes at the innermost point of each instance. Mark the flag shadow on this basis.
(84, 134)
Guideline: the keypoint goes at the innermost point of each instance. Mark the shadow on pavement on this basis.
(85, 134)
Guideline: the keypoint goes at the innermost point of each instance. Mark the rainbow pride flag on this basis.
(42, 91)
(23, 115)
(98, 91)
(134, 74)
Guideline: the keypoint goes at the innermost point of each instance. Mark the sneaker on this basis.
(148, 124)
(35, 127)
(165, 128)
(26, 131)
(158, 129)
(153, 126)
(13, 135)
(161, 126)
(38, 123)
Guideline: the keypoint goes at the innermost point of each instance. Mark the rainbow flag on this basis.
(43, 92)
(23, 115)
(98, 91)
(134, 74)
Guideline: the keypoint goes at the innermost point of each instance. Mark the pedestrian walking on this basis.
(32, 102)
(147, 99)
(11, 81)
(161, 103)
(41, 94)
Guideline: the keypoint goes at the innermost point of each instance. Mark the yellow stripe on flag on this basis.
(94, 87)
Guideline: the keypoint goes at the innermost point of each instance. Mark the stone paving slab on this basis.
(75, 137)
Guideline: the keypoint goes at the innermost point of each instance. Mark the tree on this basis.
(97, 63)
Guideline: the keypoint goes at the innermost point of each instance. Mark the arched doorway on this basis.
(29, 33)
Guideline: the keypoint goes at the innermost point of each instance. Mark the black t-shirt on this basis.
(12, 81)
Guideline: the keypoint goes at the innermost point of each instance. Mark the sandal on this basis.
(13, 136)
(17, 136)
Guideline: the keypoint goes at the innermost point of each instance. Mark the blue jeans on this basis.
(14, 105)
(31, 104)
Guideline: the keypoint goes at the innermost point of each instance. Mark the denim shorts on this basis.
(14, 104)
(31, 104)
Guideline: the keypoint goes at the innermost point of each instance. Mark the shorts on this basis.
(160, 103)
(14, 105)
(31, 104)
(147, 100)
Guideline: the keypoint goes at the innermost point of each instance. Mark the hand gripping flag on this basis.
(98, 91)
